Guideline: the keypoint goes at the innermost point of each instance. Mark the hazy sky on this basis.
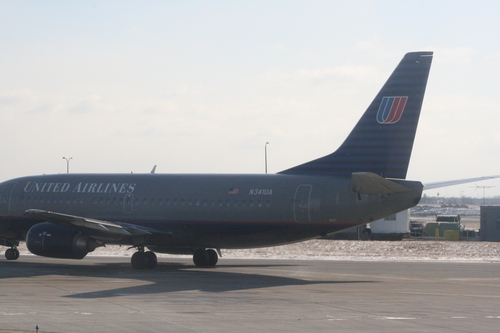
(201, 86)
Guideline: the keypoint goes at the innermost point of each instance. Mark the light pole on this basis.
(265, 154)
(67, 163)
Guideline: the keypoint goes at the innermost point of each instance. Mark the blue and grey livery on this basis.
(371, 147)
(69, 215)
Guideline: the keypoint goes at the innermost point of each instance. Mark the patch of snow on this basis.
(319, 249)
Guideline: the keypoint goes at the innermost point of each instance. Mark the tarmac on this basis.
(104, 294)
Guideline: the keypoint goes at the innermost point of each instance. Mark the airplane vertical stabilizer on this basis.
(382, 140)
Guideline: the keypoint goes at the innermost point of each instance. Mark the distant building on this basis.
(393, 227)
(490, 224)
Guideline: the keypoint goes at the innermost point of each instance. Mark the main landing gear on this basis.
(147, 259)
(205, 258)
(12, 253)
(144, 260)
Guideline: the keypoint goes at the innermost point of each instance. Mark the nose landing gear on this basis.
(12, 253)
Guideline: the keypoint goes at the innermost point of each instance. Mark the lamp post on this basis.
(67, 163)
(265, 154)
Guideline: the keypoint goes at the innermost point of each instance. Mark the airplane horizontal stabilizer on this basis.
(372, 184)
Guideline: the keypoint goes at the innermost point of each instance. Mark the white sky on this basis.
(201, 86)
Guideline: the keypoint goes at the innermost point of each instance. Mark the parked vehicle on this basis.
(416, 229)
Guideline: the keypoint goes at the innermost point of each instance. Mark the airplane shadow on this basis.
(166, 277)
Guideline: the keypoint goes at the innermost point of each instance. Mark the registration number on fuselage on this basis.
(261, 191)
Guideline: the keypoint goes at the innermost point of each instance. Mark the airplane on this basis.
(70, 215)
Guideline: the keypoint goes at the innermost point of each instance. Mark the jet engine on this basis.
(55, 241)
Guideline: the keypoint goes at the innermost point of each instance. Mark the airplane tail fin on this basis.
(382, 140)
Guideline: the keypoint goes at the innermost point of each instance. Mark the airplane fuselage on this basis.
(206, 211)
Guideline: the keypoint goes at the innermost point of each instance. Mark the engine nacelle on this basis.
(51, 240)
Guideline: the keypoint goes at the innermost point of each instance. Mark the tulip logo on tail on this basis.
(391, 109)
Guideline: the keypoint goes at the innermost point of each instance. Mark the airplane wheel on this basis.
(12, 254)
(200, 258)
(205, 258)
(151, 259)
(144, 260)
(212, 258)
(138, 261)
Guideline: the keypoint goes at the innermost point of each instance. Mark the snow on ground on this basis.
(377, 250)
(319, 249)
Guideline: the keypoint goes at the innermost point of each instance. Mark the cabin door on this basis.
(128, 203)
(301, 204)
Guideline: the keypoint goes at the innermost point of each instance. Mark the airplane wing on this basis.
(109, 229)
(430, 186)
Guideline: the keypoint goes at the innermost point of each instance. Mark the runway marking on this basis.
(472, 279)
(331, 318)
(12, 313)
(397, 318)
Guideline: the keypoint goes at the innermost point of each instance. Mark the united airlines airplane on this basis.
(70, 215)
